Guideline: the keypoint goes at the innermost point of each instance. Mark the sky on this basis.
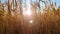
(58, 2)
(27, 1)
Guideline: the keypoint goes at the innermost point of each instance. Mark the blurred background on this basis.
(29, 17)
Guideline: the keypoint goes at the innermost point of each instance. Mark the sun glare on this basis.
(27, 12)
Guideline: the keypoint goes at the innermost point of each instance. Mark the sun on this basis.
(28, 12)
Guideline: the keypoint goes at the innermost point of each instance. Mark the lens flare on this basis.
(31, 21)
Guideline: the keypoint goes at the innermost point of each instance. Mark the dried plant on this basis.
(47, 22)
